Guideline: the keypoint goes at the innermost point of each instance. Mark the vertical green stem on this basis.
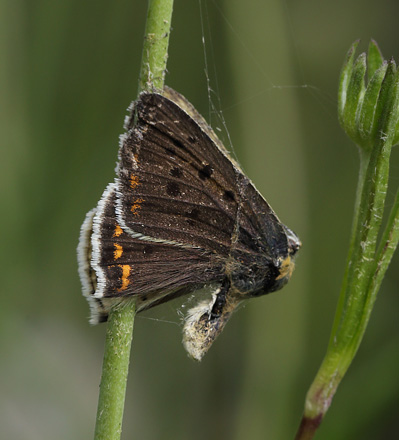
(121, 318)
(115, 370)
(364, 161)
(155, 48)
(370, 117)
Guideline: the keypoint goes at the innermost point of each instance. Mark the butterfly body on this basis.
(181, 215)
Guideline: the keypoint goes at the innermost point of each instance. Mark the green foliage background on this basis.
(68, 71)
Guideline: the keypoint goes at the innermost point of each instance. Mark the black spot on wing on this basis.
(205, 172)
(173, 189)
(229, 196)
(176, 172)
(178, 143)
(170, 151)
(194, 213)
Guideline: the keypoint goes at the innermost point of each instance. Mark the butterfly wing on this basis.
(123, 266)
(259, 228)
(175, 184)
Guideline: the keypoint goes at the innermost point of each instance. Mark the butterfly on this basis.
(181, 215)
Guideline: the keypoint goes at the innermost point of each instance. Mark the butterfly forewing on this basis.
(259, 229)
(174, 182)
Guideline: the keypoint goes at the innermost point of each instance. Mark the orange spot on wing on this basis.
(118, 231)
(118, 251)
(134, 181)
(136, 206)
(125, 276)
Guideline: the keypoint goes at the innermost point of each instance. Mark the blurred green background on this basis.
(69, 70)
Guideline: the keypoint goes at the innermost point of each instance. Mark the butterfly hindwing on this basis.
(124, 266)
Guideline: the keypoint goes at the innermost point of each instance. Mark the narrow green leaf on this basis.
(367, 112)
(344, 79)
(396, 138)
(385, 119)
(384, 254)
(374, 58)
(355, 93)
(389, 240)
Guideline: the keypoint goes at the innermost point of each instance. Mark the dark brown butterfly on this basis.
(180, 216)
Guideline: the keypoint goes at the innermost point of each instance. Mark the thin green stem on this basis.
(370, 116)
(155, 48)
(388, 244)
(121, 318)
(390, 237)
(115, 370)
(364, 160)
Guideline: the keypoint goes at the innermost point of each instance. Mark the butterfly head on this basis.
(260, 273)
(284, 265)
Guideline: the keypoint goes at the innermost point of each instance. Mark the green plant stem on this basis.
(115, 370)
(364, 160)
(121, 318)
(388, 244)
(366, 263)
(155, 48)
(358, 289)
(354, 305)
